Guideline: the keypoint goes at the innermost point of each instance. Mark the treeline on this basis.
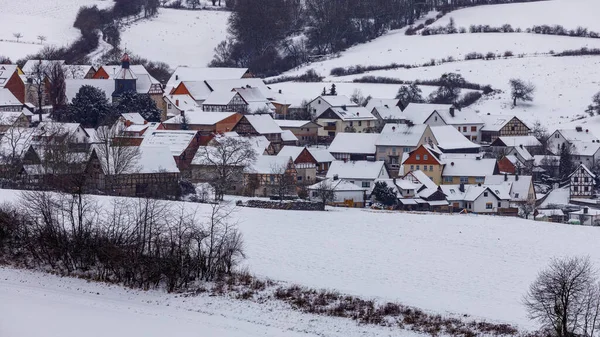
(272, 36)
(141, 243)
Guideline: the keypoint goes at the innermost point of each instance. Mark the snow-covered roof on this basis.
(466, 167)
(263, 124)
(183, 73)
(254, 107)
(6, 71)
(288, 123)
(125, 74)
(583, 167)
(549, 212)
(392, 112)
(590, 211)
(356, 143)
(539, 160)
(419, 112)
(134, 118)
(45, 128)
(458, 117)
(337, 100)
(321, 155)
(338, 185)
(526, 141)
(522, 152)
(219, 97)
(260, 144)
(291, 151)
(230, 84)
(449, 138)
(288, 136)
(352, 113)
(362, 169)
(251, 94)
(401, 135)
(199, 117)
(30, 65)
(574, 135)
(382, 103)
(150, 159)
(176, 140)
(7, 98)
(472, 192)
(198, 89)
(423, 179)
(585, 148)
(518, 186)
(495, 122)
(76, 71)
(269, 165)
(73, 86)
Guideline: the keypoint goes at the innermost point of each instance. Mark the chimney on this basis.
(176, 102)
(452, 164)
(517, 177)
(393, 128)
(461, 187)
(336, 177)
(578, 129)
(280, 91)
(505, 176)
(452, 111)
(176, 77)
(358, 113)
(587, 130)
(521, 145)
(585, 210)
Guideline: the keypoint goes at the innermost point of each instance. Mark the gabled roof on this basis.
(423, 179)
(583, 167)
(199, 117)
(339, 185)
(362, 169)
(151, 159)
(6, 71)
(219, 97)
(288, 123)
(401, 135)
(75, 71)
(495, 122)
(291, 151)
(522, 152)
(8, 99)
(585, 148)
(473, 192)
(351, 113)
(181, 102)
(183, 73)
(355, 143)
(197, 89)
(392, 112)
(230, 84)
(176, 140)
(336, 100)
(29, 66)
(259, 143)
(16, 141)
(460, 116)
(419, 112)
(288, 136)
(526, 141)
(518, 186)
(269, 165)
(321, 155)
(469, 167)
(263, 124)
(449, 138)
(574, 135)
(544, 160)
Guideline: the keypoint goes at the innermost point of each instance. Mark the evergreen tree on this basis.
(131, 102)
(89, 107)
(594, 108)
(332, 91)
(324, 92)
(384, 194)
(566, 165)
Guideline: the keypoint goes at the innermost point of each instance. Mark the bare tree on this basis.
(36, 81)
(284, 182)
(565, 298)
(527, 208)
(115, 154)
(225, 159)
(324, 192)
(42, 38)
(57, 89)
(17, 36)
(521, 90)
(13, 145)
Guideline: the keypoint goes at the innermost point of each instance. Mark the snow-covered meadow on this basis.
(177, 37)
(475, 265)
(33, 18)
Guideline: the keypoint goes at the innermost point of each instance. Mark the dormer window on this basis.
(485, 194)
(424, 157)
(418, 157)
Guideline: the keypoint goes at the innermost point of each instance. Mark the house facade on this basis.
(582, 182)
(427, 161)
(396, 140)
(345, 119)
(468, 170)
(500, 125)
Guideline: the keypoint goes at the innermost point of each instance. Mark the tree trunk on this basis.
(514, 101)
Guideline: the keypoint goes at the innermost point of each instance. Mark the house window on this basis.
(424, 167)
(351, 123)
(169, 106)
(479, 180)
(464, 180)
(489, 205)
(516, 195)
(394, 150)
(418, 157)
(407, 149)
(299, 178)
(464, 129)
(576, 179)
(499, 204)
(586, 189)
(366, 184)
(412, 167)
(473, 129)
(368, 123)
(448, 179)
(556, 135)
(424, 157)
(586, 179)
(474, 138)
(436, 118)
(272, 179)
(458, 129)
(575, 189)
(359, 123)
(469, 205)
(381, 150)
(430, 167)
(418, 168)
(485, 194)
(315, 194)
(319, 101)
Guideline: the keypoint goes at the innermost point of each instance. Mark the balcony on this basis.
(330, 128)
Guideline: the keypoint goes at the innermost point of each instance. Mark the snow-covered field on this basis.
(477, 265)
(35, 304)
(568, 13)
(32, 18)
(177, 37)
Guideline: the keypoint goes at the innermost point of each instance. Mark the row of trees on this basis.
(142, 243)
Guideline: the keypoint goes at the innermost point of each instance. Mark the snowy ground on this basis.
(32, 18)
(568, 13)
(177, 37)
(67, 306)
(478, 265)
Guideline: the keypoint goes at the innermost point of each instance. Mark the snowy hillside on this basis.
(477, 265)
(177, 37)
(565, 85)
(32, 18)
(36, 304)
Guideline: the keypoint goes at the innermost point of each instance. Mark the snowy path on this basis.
(103, 48)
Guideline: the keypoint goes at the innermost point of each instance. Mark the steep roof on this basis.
(288, 136)
(517, 185)
(288, 123)
(472, 192)
(495, 122)
(423, 179)
(463, 167)
(16, 141)
(176, 140)
(229, 84)
(183, 73)
(134, 118)
(352, 113)
(523, 152)
(29, 66)
(583, 167)
(7, 98)
(419, 112)
(199, 117)
(291, 151)
(585, 148)
(6, 71)
(527, 141)
(357, 143)
(321, 155)
(362, 169)
(382, 103)
(449, 138)
(337, 100)
(151, 159)
(401, 135)
(263, 124)
(197, 89)
(573, 135)
(392, 112)
(181, 102)
(219, 97)
(339, 185)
